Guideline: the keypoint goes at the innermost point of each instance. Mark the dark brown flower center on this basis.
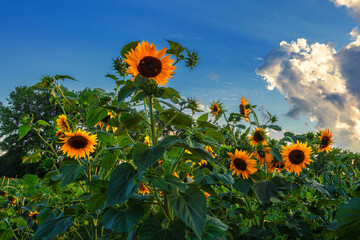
(324, 142)
(240, 164)
(106, 119)
(78, 142)
(258, 137)
(242, 109)
(215, 109)
(34, 216)
(149, 67)
(296, 156)
(261, 153)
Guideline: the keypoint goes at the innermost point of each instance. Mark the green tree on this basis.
(21, 102)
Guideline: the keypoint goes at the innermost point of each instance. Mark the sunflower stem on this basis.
(177, 162)
(231, 129)
(62, 94)
(153, 123)
(255, 117)
(252, 213)
(166, 124)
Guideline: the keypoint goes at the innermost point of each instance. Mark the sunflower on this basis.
(2, 193)
(79, 144)
(60, 134)
(33, 215)
(276, 165)
(263, 155)
(147, 140)
(242, 163)
(63, 123)
(258, 136)
(12, 200)
(206, 195)
(105, 120)
(244, 110)
(215, 109)
(325, 141)
(143, 189)
(147, 62)
(209, 149)
(296, 156)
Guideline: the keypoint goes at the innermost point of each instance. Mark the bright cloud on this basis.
(320, 81)
(354, 4)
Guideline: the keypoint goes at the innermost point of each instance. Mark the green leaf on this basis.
(42, 123)
(225, 178)
(121, 184)
(151, 229)
(144, 156)
(189, 207)
(128, 47)
(241, 185)
(311, 183)
(202, 179)
(20, 222)
(175, 48)
(348, 217)
(32, 158)
(70, 173)
(106, 138)
(30, 179)
(95, 202)
(6, 234)
(203, 118)
(170, 140)
(265, 190)
(275, 152)
(214, 229)
(50, 229)
(95, 115)
(212, 133)
(129, 121)
(98, 185)
(275, 127)
(122, 220)
(174, 183)
(169, 93)
(109, 159)
(202, 153)
(180, 121)
(23, 130)
(124, 92)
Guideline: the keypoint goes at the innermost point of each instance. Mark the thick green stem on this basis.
(173, 169)
(252, 213)
(153, 122)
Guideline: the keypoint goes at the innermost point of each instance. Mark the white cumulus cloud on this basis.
(354, 4)
(320, 81)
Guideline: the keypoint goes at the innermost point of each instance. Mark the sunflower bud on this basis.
(46, 81)
(192, 60)
(120, 66)
(150, 173)
(27, 119)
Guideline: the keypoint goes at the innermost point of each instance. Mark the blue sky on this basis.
(80, 38)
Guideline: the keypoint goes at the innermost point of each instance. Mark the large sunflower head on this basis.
(149, 63)
(258, 136)
(276, 165)
(296, 156)
(104, 122)
(143, 189)
(325, 140)
(215, 108)
(263, 155)
(244, 109)
(63, 123)
(242, 163)
(78, 144)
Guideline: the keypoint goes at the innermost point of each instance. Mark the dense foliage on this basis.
(138, 164)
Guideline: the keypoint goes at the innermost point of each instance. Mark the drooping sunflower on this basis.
(325, 141)
(258, 136)
(296, 156)
(244, 110)
(143, 189)
(63, 123)
(215, 109)
(78, 144)
(149, 63)
(263, 155)
(105, 120)
(242, 163)
(276, 165)
(60, 134)
(33, 215)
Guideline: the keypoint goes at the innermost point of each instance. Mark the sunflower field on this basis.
(145, 163)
